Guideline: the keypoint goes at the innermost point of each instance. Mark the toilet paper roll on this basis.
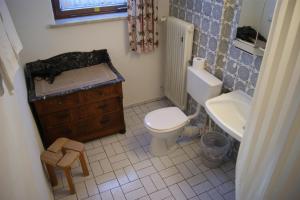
(199, 63)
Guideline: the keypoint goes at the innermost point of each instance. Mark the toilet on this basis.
(167, 124)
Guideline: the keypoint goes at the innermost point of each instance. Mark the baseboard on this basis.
(144, 102)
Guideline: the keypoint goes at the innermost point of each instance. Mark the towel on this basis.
(10, 47)
(10, 28)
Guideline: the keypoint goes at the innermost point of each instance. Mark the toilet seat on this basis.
(165, 119)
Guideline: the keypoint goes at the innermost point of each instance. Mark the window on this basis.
(75, 8)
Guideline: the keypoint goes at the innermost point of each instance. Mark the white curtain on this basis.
(268, 165)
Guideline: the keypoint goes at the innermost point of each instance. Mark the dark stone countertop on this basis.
(51, 67)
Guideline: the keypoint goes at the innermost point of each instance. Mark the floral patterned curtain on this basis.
(142, 25)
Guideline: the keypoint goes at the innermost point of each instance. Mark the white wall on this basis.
(142, 73)
(21, 174)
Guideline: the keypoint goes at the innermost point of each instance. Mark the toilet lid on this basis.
(165, 118)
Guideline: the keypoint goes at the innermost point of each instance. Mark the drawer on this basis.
(55, 104)
(64, 130)
(101, 93)
(55, 119)
(98, 108)
(98, 122)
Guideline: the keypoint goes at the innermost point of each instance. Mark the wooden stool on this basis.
(50, 160)
(64, 144)
(65, 163)
(78, 147)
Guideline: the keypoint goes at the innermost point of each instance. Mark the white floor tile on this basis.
(221, 175)
(109, 150)
(158, 181)
(117, 147)
(136, 194)
(106, 166)
(94, 151)
(105, 177)
(131, 186)
(81, 191)
(204, 196)
(132, 157)
(185, 172)
(212, 178)
(192, 167)
(225, 187)
(96, 168)
(176, 192)
(230, 196)
(96, 157)
(91, 187)
(173, 179)
(108, 185)
(166, 161)
(161, 194)
(180, 159)
(117, 157)
(203, 187)
(95, 197)
(108, 139)
(142, 165)
(106, 195)
(196, 179)
(186, 189)
(130, 172)
(190, 152)
(120, 164)
(141, 154)
(168, 172)
(146, 172)
(215, 195)
(117, 193)
(157, 163)
(121, 176)
(148, 184)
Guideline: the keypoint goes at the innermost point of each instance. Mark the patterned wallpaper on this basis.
(215, 30)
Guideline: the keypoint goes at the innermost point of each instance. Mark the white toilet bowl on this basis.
(165, 125)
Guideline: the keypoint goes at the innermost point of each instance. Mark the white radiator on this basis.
(178, 53)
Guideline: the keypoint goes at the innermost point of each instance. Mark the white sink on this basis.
(230, 111)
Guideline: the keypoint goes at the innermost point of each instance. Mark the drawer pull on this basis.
(60, 103)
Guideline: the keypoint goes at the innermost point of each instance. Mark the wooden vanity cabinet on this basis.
(83, 115)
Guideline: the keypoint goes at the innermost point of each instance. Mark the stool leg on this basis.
(68, 175)
(51, 174)
(83, 164)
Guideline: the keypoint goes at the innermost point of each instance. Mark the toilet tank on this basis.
(202, 85)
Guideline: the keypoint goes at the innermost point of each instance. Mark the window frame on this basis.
(59, 14)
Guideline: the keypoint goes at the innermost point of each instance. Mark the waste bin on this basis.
(214, 147)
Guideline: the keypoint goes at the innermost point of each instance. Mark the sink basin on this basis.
(230, 111)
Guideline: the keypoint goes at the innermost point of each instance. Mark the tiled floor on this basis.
(121, 167)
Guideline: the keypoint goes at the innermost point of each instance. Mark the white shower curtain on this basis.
(268, 165)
